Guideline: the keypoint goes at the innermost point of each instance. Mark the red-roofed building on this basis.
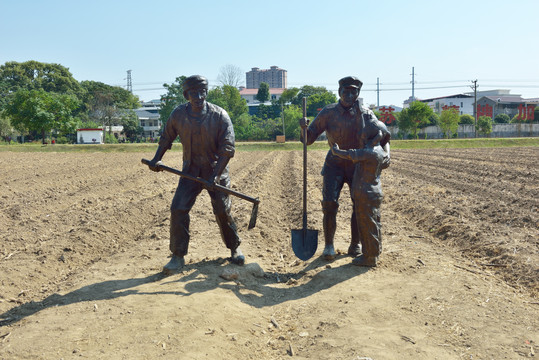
(250, 94)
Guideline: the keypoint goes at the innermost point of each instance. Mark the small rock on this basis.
(291, 282)
(230, 274)
(254, 269)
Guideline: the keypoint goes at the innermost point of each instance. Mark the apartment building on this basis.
(275, 77)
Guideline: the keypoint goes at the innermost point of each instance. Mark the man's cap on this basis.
(350, 81)
(195, 81)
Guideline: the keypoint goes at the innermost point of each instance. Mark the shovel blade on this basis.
(304, 243)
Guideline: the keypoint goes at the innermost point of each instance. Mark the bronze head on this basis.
(195, 90)
(349, 88)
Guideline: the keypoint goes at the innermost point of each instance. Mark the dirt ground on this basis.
(84, 238)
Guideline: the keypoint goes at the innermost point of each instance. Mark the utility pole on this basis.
(378, 92)
(282, 115)
(413, 84)
(474, 88)
(129, 84)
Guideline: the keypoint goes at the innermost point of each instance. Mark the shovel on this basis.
(304, 241)
(216, 187)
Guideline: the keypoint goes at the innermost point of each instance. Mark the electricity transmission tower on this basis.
(129, 83)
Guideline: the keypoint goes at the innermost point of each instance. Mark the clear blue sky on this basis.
(449, 43)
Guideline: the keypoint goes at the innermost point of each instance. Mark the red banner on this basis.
(386, 115)
(485, 110)
(526, 112)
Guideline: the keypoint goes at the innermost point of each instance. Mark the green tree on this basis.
(6, 129)
(307, 91)
(35, 75)
(263, 93)
(466, 119)
(265, 129)
(131, 127)
(3, 93)
(41, 111)
(106, 104)
(484, 125)
(119, 97)
(171, 99)
(434, 119)
(229, 98)
(317, 102)
(268, 112)
(317, 98)
(449, 121)
(287, 96)
(243, 127)
(517, 120)
(292, 114)
(412, 118)
(502, 119)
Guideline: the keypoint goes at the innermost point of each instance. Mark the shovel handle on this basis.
(305, 167)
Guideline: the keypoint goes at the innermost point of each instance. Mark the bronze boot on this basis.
(368, 261)
(237, 257)
(175, 264)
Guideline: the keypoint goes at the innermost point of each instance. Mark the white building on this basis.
(250, 94)
(89, 136)
(464, 103)
(148, 116)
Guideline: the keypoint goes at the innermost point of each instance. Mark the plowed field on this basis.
(84, 238)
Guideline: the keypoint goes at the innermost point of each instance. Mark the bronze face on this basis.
(197, 97)
(348, 95)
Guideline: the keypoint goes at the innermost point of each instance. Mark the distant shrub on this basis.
(502, 119)
(466, 119)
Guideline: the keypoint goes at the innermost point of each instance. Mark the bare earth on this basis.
(84, 238)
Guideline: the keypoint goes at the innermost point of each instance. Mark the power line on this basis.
(417, 88)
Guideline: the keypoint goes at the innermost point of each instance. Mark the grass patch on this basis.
(464, 143)
(273, 146)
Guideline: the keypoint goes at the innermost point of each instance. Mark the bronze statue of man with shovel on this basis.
(207, 137)
(343, 123)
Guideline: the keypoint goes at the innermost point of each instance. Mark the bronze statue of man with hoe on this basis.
(208, 142)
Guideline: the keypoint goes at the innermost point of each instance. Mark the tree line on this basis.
(40, 100)
(420, 115)
(278, 117)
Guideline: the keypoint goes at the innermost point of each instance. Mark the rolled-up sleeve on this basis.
(170, 133)
(226, 137)
(317, 127)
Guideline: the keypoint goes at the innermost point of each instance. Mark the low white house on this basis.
(149, 118)
(89, 136)
(250, 94)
